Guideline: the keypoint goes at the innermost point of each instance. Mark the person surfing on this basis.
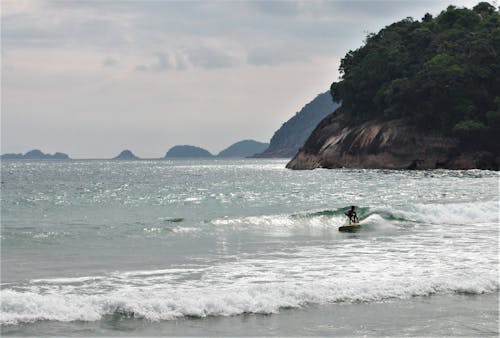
(353, 217)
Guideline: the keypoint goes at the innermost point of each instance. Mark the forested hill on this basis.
(417, 95)
(245, 148)
(287, 140)
(441, 74)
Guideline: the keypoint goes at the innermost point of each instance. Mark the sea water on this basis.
(245, 247)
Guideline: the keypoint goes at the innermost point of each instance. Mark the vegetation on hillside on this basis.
(244, 148)
(440, 73)
(287, 140)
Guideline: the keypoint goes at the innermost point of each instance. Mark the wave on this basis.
(451, 213)
(265, 282)
(169, 303)
(311, 219)
(69, 280)
(284, 222)
(183, 230)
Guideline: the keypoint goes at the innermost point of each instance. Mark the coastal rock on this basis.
(337, 143)
(126, 155)
(244, 148)
(187, 151)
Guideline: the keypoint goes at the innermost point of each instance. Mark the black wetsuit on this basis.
(352, 215)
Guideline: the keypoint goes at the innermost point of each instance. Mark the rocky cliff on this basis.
(394, 144)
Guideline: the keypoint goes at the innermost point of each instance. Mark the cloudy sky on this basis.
(90, 78)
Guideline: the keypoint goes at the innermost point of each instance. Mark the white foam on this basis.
(183, 230)
(152, 230)
(28, 307)
(263, 283)
(167, 304)
(453, 213)
(193, 199)
(373, 219)
(285, 221)
(68, 280)
(143, 273)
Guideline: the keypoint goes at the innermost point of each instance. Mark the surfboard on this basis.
(353, 227)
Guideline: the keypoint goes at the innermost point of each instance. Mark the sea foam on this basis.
(382, 216)
(262, 282)
(450, 213)
(170, 303)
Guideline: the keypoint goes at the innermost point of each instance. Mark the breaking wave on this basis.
(421, 264)
(167, 303)
(453, 213)
(266, 282)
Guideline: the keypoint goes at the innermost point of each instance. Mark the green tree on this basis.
(440, 73)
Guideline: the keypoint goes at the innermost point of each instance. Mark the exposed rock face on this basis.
(336, 143)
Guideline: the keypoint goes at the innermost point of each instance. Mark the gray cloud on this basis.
(162, 63)
(118, 27)
(314, 9)
(60, 54)
(199, 57)
(141, 68)
(59, 29)
(209, 58)
(278, 8)
(109, 62)
(275, 56)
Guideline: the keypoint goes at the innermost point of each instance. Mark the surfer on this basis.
(353, 218)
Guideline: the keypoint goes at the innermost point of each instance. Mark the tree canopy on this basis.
(439, 73)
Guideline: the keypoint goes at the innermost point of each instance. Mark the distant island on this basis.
(187, 151)
(245, 148)
(35, 155)
(418, 95)
(239, 149)
(126, 155)
(287, 140)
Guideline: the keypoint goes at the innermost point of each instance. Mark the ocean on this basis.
(246, 247)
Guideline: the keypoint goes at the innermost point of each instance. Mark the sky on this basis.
(91, 78)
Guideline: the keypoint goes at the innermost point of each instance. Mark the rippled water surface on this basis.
(158, 241)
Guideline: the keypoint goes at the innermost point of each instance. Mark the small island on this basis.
(35, 155)
(245, 148)
(187, 151)
(126, 155)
